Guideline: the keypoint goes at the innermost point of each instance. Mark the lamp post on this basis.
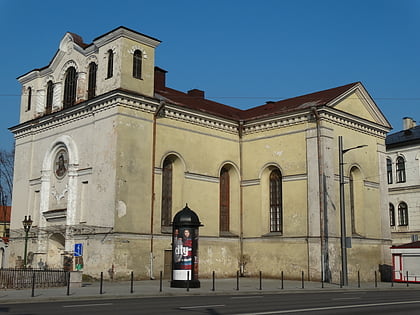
(27, 223)
(341, 152)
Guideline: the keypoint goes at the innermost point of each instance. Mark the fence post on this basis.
(132, 282)
(213, 278)
(33, 285)
(101, 283)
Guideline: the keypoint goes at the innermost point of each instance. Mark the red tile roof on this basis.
(302, 102)
(408, 245)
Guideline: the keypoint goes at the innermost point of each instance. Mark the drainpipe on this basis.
(241, 210)
(152, 199)
(324, 239)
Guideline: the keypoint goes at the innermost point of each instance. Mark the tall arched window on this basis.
(389, 170)
(391, 215)
(403, 214)
(50, 95)
(137, 64)
(224, 200)
(276, 211)
(92, 80)
(166, 211)
(28, 107)
(70, 84)
(400, 170)
(110, 71)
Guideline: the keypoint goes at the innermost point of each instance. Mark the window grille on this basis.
(276, 201)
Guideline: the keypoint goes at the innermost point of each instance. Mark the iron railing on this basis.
(11, 278)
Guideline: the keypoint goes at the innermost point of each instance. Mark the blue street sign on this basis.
(78, 250)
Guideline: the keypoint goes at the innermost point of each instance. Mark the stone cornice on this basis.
(146, 104)
(349, 121)
(199, 118)
(83, 111)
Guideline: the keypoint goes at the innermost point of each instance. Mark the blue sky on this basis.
(241, 52)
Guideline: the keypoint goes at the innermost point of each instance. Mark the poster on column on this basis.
(184, 253)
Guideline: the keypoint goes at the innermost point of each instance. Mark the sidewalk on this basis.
(152, 288)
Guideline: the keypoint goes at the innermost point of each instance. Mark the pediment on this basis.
(358, 103)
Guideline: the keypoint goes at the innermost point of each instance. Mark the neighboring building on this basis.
(406, 262)
(5, 212)
(107, 154)
(403, 169)
(4, 234)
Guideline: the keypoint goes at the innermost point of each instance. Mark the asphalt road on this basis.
(348, 302)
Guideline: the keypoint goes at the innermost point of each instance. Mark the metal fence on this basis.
(26, 278)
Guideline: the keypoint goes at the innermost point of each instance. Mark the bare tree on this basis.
(6, 176)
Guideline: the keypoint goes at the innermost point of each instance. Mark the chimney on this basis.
(408, 123)
(196, 93)
(160, 78)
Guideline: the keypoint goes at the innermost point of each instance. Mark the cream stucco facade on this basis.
(117, 145)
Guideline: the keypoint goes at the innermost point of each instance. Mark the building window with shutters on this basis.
(50, 96)
(166, 211)
(92, 80)
(400, 170)
(224, 211)
(70, 84)
(403, 214)
(276, 201)
(137, 64)
(391, 215)
(389, 170)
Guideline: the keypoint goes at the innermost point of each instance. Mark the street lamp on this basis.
(341, 152)
(27, 223)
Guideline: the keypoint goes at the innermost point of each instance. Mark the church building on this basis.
(107, 155)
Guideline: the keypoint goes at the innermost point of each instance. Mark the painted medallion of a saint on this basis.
(61, 164)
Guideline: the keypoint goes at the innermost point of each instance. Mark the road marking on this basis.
(200, 306)
(88, 305)
(327, 308)
(347, 298)
(247, 297)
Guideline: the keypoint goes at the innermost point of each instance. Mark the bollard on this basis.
(341, 280)
(322, 279)
(303, 279)
(188, 281)
(376, 280)
(132, 283)
(260, 280)
(68, 283)
(407, 277)
(160, 281)
(213, 278)
(33, 285)
(101, 283)
(282, 280)
(237, 280)
(358, 278)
